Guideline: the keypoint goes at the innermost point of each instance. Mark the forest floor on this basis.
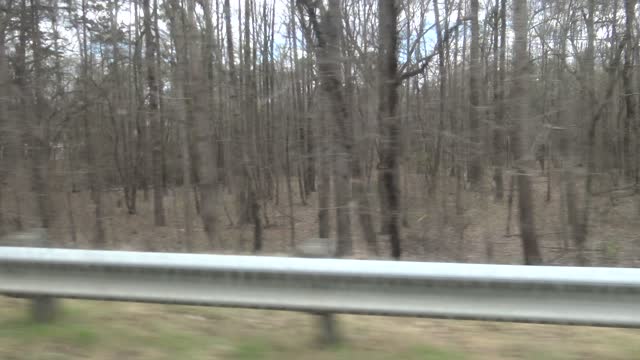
(108, 330)
(434, 232)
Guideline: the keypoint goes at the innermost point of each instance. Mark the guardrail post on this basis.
(43, 308)
(322, 248)
(329, 334)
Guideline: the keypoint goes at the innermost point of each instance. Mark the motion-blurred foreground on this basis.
(96, 330)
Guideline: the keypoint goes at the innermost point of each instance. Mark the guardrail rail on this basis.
(539, 294)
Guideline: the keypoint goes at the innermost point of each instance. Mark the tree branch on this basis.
(414, 45)
(425, 60)
(310, 7)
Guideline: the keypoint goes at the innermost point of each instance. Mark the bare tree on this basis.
(389, 127)
(475, 72)
(327, 33)
(630, 130)
(154, 114)
(499, 54)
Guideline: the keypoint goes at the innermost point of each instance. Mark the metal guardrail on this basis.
(544, 294)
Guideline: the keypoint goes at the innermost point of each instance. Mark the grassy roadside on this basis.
(104, 330)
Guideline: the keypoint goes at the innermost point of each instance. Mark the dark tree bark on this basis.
(475, 76)
(500, 29)
(630, 94)
(388, 123)
(154, 114)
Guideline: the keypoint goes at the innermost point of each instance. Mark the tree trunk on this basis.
(155, 119)
(388, 124)
(442, 104)
(251, 161)
(324, 189)
(208, 185)
(4, 116)
(187, 183)
(500, 70)
(183, 27)
(520, 99)
(475, 72)
(630, 94)
(328, 33)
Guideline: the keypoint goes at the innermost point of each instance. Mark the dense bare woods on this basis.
(402, 129)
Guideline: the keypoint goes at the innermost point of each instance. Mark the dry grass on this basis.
(102, 330)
